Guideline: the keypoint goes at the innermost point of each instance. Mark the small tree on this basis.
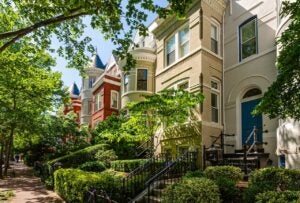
(282, 98)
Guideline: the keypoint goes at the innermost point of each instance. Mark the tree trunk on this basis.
(1, 159)
(8, 149)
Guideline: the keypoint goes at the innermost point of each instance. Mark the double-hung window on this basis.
(114, 99)
(126, 82)
(214, 38)
(171, 50)
(215, 101)
(142, 79)
(184, 42)
(98, 102)
(248, 38)
(178, 45)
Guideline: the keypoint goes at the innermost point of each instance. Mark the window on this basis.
(91, 81)
(90, 106)
(178, 45)
(125, 82)
(142, 75)
(114, 99)
(171, 50)
(248, 38)
(184, 42)
(98, 102)
(214, 39)
(183, 86)
(215, 101)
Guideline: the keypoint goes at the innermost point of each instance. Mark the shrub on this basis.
(282, 197)
(198, 190)
(72, 184)
(127, 165)
(194, 174)
(226, 178)
(106, 156)
(79, 157)
(93, 166)
(272, 179)
(229, 172)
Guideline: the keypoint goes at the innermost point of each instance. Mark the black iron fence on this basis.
(158, 168)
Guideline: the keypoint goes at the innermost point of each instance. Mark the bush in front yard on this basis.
(79, 157)
(93, 166)
(226, 178)
(127, 165)
(194, 174)
(275, 197)
(229, 172)
(197, 190)
(272, 179)
(72, 184)
(106, 156)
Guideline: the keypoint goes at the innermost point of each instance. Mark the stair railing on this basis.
(145, 146)
(134, 182)
(172, 172)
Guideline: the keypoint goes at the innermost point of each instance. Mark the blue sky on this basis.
(104, 49)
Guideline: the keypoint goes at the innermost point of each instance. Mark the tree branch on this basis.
(22, 32)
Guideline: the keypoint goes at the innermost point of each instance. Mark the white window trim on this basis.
(177, 45)
(136, 79)
(218, 93)
(125, 74)
(111, 101)
(218, 26)
(240, 59)
(178, 83)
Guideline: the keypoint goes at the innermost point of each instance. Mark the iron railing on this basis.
(170, 174)
(134, 182)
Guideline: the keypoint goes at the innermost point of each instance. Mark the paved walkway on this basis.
(28, 188)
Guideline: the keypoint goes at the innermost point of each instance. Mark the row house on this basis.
(224, 49)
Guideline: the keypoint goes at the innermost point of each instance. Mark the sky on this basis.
(104, 49)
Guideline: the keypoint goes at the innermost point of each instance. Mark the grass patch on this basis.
(6, 195)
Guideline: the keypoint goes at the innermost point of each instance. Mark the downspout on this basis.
(223, 73)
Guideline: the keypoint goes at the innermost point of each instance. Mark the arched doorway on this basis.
(249, 100)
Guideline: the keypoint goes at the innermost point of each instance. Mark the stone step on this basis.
(152, 199)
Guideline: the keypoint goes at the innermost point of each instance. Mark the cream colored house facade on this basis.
(190, 56)
(226, 50)
(139, 81)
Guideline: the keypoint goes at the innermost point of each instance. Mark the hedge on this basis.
(229, 172)
(275, 197)
(226, 178)
(197, 190)
(272, 179)
(127, 165)
(93, 166)
(79, 157)
(72, 184)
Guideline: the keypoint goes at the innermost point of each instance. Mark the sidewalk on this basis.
(28, 188)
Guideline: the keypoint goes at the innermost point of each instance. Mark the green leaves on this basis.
(282, 98)
(116, 19)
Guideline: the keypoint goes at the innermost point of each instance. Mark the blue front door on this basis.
(248, 121)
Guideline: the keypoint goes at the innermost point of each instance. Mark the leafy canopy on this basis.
(283, 97)
(116, 19)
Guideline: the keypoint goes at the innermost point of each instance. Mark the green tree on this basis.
(167, 108)
(282, 98)
(27, 89)
(116, 19)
